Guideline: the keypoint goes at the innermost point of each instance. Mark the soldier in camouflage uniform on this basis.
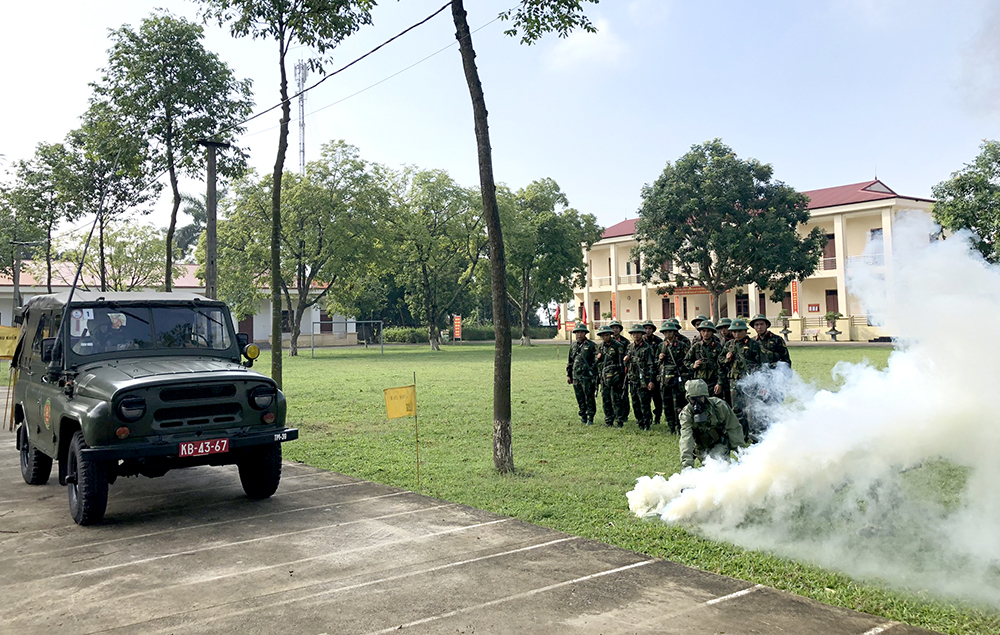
(740, 357)
(610, 361)
(581, 371)
(639, 361)
(772, 346)
(722, 332)
(655, 341)
(616, 330)
(708, 426)
(702, 359)
(672, 373)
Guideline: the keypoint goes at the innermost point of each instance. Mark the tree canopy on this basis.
(723, 222)
(970, 199)
(162, 86)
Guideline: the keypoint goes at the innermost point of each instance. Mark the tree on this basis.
(438, 238)
(15, 228)
(327, 233)
(133, 258)
(544, 246)
(197, 208)
(42, 194)
(317, 24)
(725, 223)
(532, 18)
(164, 87)
(970, 199)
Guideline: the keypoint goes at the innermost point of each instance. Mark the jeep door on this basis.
(40, 387)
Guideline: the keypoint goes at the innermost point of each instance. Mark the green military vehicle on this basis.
(127, 384)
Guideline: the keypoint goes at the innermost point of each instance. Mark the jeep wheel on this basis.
(260, 470)
(87, 484)
(35, 466)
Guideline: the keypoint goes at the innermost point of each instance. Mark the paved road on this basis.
(188, 553)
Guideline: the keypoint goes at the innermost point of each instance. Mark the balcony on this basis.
(871, 260)
(631, 279)
(829, 263)
(601, 281)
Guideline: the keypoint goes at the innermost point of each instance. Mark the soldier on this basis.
(708, 426)
(639, 362)
(680, 336)
(610, 360)
(740, 357)
(672, 373)
(773, 349)
(655, 341)
(616, 329)
(581, 371)
(722, 326)
(702, 359)
(698, 320)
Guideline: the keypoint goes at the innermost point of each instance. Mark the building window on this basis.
(762, 304)
(742, 305)
(628, 268)
(286, 325)
(640, 309)
(684, 308)
(325, 322)
(830, 253)
(786, 303)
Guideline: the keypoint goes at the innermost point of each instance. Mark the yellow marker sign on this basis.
(400, 402)
(8, 341)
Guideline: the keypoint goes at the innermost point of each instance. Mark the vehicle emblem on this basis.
(48, 409)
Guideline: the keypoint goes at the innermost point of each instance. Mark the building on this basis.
(852, 217)
(317, 327)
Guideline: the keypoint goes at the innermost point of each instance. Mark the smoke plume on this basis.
(894, 476)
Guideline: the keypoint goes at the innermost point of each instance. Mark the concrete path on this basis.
(188, 553)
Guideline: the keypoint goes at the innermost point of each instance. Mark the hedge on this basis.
(470, 333)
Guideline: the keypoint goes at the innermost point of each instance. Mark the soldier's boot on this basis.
(583, 420)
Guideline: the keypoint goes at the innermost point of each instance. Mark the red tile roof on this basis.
(624, 228)
(64, 272)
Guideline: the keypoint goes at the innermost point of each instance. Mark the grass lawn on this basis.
(569, 477)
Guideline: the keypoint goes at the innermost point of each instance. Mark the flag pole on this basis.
(416, 430)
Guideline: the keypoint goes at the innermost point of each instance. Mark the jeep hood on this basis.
(104, 379)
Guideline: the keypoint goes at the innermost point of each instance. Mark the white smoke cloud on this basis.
(868, 480)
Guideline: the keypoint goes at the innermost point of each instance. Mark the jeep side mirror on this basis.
(48, 344)
(243, 339)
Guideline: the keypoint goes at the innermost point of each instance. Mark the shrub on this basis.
(405, 334)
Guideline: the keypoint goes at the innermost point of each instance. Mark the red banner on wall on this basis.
(795, 297)
(458, 327)
(614, 305)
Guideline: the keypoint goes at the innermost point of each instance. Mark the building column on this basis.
(887, 257)
(840, 251)
(614, 281)
(645, 304)
(754, 294)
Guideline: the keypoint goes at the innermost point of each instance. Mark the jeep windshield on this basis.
(111, 328)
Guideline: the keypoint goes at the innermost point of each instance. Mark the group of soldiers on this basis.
(659, 374)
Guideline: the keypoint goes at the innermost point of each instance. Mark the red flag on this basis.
(583, 314)
(558, 323)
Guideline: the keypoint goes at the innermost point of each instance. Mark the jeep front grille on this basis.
(187, 393)
(203, 414)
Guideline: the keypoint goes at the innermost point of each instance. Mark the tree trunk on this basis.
(48, 258)
(525, 332)
(503, 455)
(434, 337)
(168, 279)
(293, 345)
(715, 308)
(279, 167)
(100, 240)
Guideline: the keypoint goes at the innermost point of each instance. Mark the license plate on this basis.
(201, 448)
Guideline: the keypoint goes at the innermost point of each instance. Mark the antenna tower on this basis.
(301, 70)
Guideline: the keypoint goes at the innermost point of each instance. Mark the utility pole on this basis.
(301, 70)
(211, 243)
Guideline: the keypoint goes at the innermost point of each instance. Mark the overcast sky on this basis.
(827, 91)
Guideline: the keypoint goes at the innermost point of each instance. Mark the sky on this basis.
(829, 92)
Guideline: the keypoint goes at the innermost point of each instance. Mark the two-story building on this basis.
(852, 216)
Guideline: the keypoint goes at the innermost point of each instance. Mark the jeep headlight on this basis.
(251, 351)
(131, 409)
(262, 397)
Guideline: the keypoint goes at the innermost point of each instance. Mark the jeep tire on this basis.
(260, 470)
(35, 466)
(87, 484)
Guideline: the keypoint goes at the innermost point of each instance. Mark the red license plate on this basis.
(201, 448)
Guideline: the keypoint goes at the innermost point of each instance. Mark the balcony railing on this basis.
(873, 260)
(601, 281)
(631, 279)
(829, 262)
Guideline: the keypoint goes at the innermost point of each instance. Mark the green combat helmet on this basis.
(637, 328)
(669, 326)
(698, 320)
(724, 324)
(758, 317)
(696, 388)
(675, 322)
(605, 330)
(581, 328)
(706, 324)
(738, 325)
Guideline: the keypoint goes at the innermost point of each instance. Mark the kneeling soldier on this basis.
(581, 371)
(708, 426)
(610, 359)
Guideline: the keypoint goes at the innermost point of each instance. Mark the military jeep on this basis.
(127, 384)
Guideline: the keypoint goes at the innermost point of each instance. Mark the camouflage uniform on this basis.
(582, 369)
(612, 372)
(708, 353)
(680, 336)
(623, 386)
(773, 347)
(655, 341)
(746, 358)
(673, 373)
(714, 430)
(641, 369)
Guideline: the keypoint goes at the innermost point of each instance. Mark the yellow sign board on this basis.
(8, 341)
(400, 402)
